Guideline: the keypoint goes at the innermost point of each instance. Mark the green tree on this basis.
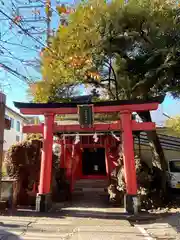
(131, 49)
(173, 126)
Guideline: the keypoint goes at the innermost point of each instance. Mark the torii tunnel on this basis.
(126, 125)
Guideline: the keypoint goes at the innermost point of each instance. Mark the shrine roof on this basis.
(74, 104)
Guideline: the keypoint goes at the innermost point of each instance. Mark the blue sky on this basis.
(16, 56)
(16, 89)
(170, 107)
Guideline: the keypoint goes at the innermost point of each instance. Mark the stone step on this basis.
(90, 193)
(90, 190)
(84, 183)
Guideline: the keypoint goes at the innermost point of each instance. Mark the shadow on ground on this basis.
(9, 225)
(92, 208)
(7, 235)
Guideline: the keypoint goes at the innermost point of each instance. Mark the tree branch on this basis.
(94, 82)
(143, 34)
(109, 65)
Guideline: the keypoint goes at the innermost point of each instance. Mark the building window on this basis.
(18, 126)
(12, 122)
(17, 138)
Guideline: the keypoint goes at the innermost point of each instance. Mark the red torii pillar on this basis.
(130, 200)
(43, 196)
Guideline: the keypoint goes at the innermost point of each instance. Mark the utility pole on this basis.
(48, 19)
(2, 127)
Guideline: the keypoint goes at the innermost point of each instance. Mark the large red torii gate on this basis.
(126, 125)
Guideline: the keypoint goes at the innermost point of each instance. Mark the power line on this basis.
(16, 74)
(20, 45)
(5, 66)
(22, 29)
(14, 57)
(51, 8)
(27, 33)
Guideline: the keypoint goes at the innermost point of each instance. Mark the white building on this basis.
(15, 134)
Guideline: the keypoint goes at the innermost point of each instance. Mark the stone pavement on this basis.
(163, 228)
(158, 231)
(70, 228)
(78, 224)
(84, 219)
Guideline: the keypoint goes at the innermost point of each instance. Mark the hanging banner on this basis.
(86, 116)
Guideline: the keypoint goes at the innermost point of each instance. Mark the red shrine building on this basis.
(78, 140)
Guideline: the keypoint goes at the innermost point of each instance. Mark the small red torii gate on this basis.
(126, 125)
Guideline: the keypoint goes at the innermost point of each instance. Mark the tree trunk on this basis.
(156, 148)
